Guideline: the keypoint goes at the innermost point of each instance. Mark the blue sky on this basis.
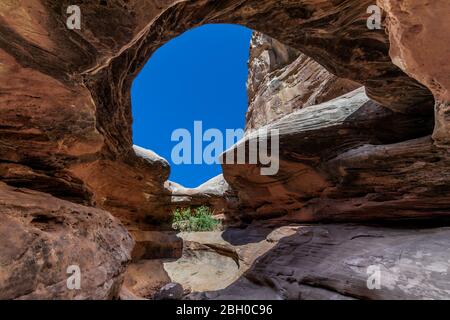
(200, 75)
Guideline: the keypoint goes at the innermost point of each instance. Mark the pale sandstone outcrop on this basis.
(282, 80)
(42, 236)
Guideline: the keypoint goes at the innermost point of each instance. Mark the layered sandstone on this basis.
(42, 236)
(418, 32)
(345, 159)
(214, 193)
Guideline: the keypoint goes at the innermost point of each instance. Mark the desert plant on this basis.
(194, 220)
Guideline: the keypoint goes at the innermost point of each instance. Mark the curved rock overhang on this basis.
(73, 139)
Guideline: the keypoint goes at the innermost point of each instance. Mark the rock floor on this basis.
(336, 261)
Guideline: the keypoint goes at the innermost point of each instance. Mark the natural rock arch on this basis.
(93, 69)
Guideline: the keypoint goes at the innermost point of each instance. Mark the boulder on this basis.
(171, 291)
(419, 46)
(43, 240)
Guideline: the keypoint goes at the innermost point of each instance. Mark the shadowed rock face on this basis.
(65, 128)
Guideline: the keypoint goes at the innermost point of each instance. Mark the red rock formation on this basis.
(369, 179)
(214, 193)
(76, 134)
(41, 236)
(419, 35)
(345, 159)
(132, 188)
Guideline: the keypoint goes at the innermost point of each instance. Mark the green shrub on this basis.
(194, 220)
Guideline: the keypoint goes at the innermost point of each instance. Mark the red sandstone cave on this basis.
(364, 154)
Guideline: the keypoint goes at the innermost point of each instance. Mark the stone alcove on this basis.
(335, 35)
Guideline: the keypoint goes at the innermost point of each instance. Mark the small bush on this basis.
(194, 220)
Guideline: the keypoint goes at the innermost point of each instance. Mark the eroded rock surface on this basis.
(73, 139)
(144, 279)
(42, 236)
(418, 32)
(214, 193)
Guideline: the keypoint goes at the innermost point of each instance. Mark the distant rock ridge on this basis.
(214, 193)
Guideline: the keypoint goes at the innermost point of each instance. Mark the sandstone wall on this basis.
(419, 37)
